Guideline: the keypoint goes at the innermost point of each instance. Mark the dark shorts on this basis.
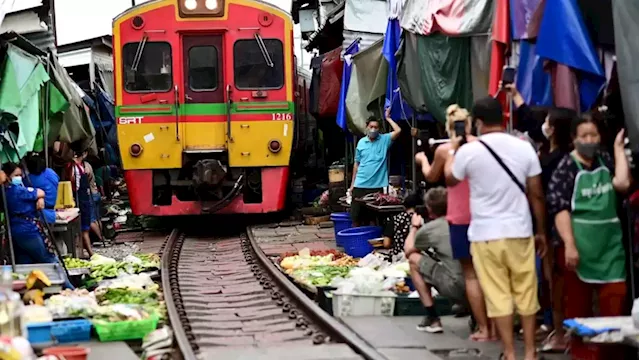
(86, 213)
(360, 214)
(459, 241)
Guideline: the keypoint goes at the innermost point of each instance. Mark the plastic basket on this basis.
(341, 221)
(71, 331)
(355, 241)
(125, 330)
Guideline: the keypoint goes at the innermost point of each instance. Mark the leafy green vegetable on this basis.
(320, 275)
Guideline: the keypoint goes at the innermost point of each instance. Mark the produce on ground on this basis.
(18, 276)
(73, 263)
(120, 312)
(336, 254)
(320, 275)
(37, 280)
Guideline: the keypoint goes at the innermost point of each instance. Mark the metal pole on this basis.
(6, 220)
(45, 118)
(414, 177)
(347, 181)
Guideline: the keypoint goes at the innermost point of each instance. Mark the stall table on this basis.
(67, 228)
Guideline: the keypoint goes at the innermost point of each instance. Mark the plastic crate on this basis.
(40, 333)
(71, 331)
(363, 305)
(125, 330)
(61, 332)
(406, 306)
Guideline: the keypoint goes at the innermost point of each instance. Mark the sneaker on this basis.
(430, 325)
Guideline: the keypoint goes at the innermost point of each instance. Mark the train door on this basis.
(204, 107)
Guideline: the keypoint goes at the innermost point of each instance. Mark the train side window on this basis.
(203, 68)
(147, 67)
(251, 69)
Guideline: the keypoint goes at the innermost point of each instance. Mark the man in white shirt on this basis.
(504, 178)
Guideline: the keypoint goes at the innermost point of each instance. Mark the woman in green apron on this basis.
(582, 198)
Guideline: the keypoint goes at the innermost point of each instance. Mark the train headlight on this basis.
(135, 150)
(211, 4)
(275, 146)
(190, 4)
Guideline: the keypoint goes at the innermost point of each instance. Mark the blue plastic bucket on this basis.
(341, 221)
(355, 241)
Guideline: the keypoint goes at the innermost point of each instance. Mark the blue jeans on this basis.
(32, 250)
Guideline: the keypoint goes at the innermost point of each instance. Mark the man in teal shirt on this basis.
(370, 173)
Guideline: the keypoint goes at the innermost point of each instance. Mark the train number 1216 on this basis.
(281, 116)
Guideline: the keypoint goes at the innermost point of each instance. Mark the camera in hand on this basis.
(508, 75)
(459, 129)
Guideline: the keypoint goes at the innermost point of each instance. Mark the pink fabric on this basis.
(458, 212)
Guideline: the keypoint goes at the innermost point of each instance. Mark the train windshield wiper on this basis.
(263, 50)
(139, 50)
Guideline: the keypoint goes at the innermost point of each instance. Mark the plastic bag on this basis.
(363, 280)
(371, 261)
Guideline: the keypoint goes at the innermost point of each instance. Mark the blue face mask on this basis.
(16, 180)
(373, 133)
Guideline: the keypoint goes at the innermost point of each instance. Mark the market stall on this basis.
(346, 286)
(117, 299)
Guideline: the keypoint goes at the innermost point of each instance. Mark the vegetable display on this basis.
(320, 275)
(73, 263)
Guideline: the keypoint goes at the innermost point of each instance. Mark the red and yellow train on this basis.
(206, 105)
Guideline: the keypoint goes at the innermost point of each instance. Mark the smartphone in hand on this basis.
(508, 75)
(459, 128)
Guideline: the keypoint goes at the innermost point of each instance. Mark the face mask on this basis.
(588, 150)
(373, 133)
(16, 180)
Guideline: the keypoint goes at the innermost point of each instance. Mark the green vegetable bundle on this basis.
(320, 275)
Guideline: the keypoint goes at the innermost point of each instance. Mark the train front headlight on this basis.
(190, 4)
(135, 150)
(275, 146)
(211, 4)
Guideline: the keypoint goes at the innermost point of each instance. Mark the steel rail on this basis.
(323, 319)
(170, 253)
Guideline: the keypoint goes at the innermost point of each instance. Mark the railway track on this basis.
(225, 292)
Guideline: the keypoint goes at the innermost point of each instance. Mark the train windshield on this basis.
(258, 64)
(147, 66)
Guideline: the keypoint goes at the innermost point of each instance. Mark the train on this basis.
(207, 97)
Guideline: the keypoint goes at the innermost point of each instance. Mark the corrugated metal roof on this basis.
(366, 39)
(44, 40)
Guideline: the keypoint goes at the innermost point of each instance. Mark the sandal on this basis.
(549, 348)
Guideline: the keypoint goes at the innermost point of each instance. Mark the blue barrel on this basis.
(355, 241)
(341, 221)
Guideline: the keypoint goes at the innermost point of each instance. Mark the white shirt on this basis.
(499, 209)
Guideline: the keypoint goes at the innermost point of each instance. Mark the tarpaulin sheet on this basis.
(330, 81)
(625, 16)
(367, 85)
(76, 124)
(410, 73)
(480, 65)
(341, 118)
(521, 14)
(451, 17)
(369, 16)
(533, 82)
(393, 95)
(444, 76)
(563, 38)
